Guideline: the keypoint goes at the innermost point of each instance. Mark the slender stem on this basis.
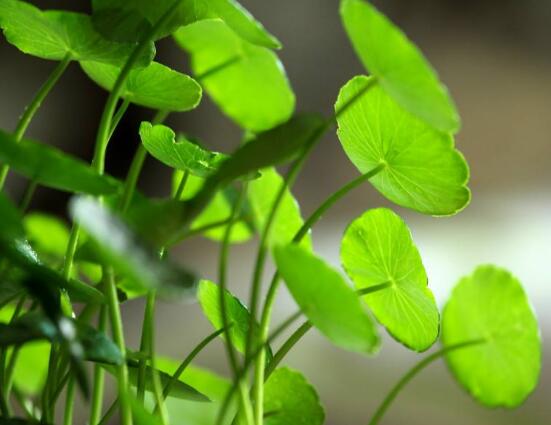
(25, 405)
(27, 196)
(144, 344)
(383, 407)
(33, 107)
(118, 116)
(69, 403)
(110, 411)
(286, 347)
(181, 185)
(197, 231)
(99, 378)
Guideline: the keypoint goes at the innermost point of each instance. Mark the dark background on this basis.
(495, 58)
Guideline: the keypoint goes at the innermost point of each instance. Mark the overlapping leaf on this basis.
(398, 65)
(155, 86)
(422, 169)
(326, 299)
(247, 82)
(490, 306)
(377, 249)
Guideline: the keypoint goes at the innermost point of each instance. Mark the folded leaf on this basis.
(247, 82)
(423, 170)
(491, 306)
(177, 152)
(54, 34)
(155, 86)
(52, 168)
(377, 248)
(326, 299)
(398, 65)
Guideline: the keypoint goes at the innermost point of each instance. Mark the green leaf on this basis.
(238, 314)
(247, 82)
(398, 65)
(141, 415)
(52, 168)
(178, 152)
(423, 170)
(155, 86)
(130, 19)
(12, 225)
(54, 34)
(491, 305)
(290, 399)
(97, 346)
(262, 193)
(326, 299)
(121, 248)
(377, 248)
(47, 234)
(17, 421)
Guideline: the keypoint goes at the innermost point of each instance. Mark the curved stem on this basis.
(414, 371)
(197, 231)
(33, 107)
(118, 116)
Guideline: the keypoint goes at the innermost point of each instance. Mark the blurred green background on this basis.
(493, 55)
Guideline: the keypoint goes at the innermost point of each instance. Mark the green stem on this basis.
(27, 196)
(110, 411)
(383, 407)
(144, 344)
(197, 231)
(69, 403)
(181, 186)
(118, 116)
(33, 107)
(286, 347)
(96, 403)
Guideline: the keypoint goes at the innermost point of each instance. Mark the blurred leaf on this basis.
(262, 193)
(52, 168)
(131, 19)
(29, 327)
(47, 234)
(177, 152)
(155, 86)
(377, 248)
(12, 225)
(17, 421)
(97, 346)
(491, 305)
(423, 170)
(238, 314)
(291, 399)
(398, 65)
(247, 82)
(141, 415)
(31, 368)
(326, 299)
(122, 249)
(53, 34)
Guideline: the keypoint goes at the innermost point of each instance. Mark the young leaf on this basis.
(155, 86)
(326, 299)
(247, 82)
(130, 19)
(161, 142)
(262, 193)
(52, 168)
(490, 305)
(377, 248)
(122, 249)
(54, 34)
(290, 399)
(423, 170)
(47, 234)
(398, 65)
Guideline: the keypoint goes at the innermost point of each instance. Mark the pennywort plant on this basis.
(62, 289)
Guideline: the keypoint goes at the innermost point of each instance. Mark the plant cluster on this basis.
(61, 290)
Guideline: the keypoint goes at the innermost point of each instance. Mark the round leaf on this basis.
(54, 34)
(326, 299)
(377, 248)
(290, 399)
(247, 82)
(491, 305)
(398, 65)
(155, 86)
(423, 170)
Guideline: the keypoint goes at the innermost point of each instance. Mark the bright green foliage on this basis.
(287, 222)
(377, 248)
(141, 415)
(290, 399)
(130, 19)
(12, 226)
(53, 168)
(326, 299)
(247, 82)
(155, 86)
(423, 170)
(398, 65)
(47, 234)
(56, 34)
(178, 152)
(490, 305)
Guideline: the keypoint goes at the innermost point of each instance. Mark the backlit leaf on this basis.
(423, 170)
(326, 299)
(247, 82)
(398, 65)
(155, 86)
(491, 305)
(377, 248)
